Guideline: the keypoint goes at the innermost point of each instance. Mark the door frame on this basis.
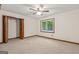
(5, 27)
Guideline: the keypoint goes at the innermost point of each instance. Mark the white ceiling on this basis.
(24, 8)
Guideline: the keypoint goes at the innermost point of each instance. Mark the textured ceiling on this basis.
(24, 8)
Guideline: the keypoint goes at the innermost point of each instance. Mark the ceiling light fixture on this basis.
(39, 10)
(39, 13)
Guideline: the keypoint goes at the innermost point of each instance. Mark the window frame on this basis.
(45, 20)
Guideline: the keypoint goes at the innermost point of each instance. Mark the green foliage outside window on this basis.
(47, 25)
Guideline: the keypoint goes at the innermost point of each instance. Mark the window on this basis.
(48, 25)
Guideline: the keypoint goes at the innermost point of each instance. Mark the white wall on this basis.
(29, 23)
(66, 26)
(30, 26)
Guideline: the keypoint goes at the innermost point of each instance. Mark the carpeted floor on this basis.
(38, 45)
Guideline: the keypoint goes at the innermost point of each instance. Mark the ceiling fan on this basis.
(39, 10)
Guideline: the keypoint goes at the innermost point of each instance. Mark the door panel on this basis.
(11, 28)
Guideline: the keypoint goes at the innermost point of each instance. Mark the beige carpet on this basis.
(38, 45)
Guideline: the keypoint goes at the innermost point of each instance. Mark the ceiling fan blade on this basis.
(32, 9)
(45, 10)
(38, 9)
(34, 13)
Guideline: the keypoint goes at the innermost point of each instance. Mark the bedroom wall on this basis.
(66, 26)
(30, 27)
(29, 23)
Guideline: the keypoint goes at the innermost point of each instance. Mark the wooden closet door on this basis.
(21, 28)
(5, 29)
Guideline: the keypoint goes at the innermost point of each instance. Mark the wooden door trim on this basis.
(5, 29)
(21, 28)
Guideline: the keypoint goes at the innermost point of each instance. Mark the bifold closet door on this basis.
(17, 28)
(12, 28)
